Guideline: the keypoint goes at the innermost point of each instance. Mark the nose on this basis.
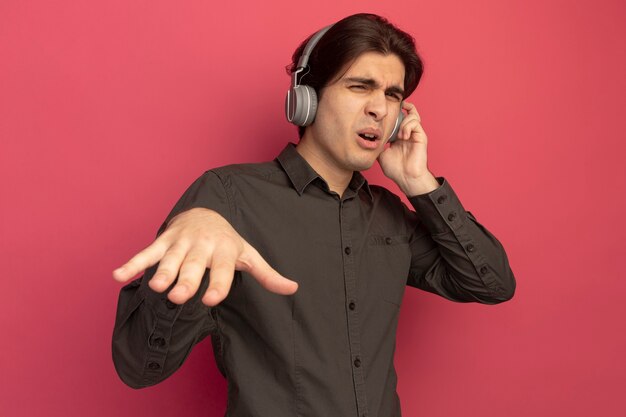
(377, 106)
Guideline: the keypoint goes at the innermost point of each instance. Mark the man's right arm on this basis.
(162, 315)
(153, 336)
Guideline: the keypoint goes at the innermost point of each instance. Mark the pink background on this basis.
(108, 110)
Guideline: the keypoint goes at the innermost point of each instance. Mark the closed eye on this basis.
(395, 96)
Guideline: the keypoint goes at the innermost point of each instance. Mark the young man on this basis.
(320, 343)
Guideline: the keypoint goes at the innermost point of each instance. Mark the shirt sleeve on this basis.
(153, 336)
(453, 255)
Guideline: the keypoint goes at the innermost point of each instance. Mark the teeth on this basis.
(368, 136)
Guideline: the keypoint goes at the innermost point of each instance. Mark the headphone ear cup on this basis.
(394, 134)
(301, 105)
(312, 99)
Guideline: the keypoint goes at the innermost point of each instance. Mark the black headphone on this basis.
(301, 101)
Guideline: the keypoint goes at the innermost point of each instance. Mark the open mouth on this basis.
(367, 136)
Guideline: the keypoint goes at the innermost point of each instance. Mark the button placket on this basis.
(158, 342)
(349, 273)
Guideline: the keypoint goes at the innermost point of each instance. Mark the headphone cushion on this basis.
(394, 134)
(305, 105)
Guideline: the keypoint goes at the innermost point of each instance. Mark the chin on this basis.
(361, 165)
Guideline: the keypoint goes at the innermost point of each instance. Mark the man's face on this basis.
(357, 112)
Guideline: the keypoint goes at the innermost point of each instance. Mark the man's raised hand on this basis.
(195, 240)
(405, 161)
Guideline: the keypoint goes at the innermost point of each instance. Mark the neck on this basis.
(336, 178)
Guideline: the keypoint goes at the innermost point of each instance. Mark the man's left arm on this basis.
(452, 254)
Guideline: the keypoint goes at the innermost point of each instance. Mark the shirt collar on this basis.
(301, 174)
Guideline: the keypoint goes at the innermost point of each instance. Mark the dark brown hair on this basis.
(346, 40)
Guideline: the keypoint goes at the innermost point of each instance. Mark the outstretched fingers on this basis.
(141, 261)
(190, 275)
(168, 267)
(222, 272)
(188, 258)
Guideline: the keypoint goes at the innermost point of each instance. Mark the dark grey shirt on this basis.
(327, 350)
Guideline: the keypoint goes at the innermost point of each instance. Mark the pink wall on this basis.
(108, 110)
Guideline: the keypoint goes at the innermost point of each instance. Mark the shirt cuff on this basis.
(440, 210)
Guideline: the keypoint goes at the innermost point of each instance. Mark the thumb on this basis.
(255, 265)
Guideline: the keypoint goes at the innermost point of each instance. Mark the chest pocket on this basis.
(386, 263)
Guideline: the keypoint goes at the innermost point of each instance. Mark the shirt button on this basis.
(170, 304)
(388, 241)
(158, 342)
(452, 216)
(484, 270)
(153, 365)
(351, 306)
(357, 362)
(470, 248)
(442, 199)
(347, 250)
